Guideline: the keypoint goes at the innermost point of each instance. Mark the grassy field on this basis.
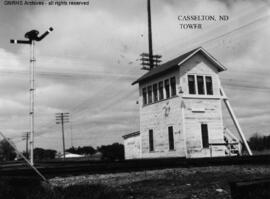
(187, 183)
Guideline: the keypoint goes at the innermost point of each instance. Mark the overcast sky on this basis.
(87, 64)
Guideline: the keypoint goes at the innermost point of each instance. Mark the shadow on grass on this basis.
(32, 188)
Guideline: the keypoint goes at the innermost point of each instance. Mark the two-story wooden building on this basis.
(180, 110)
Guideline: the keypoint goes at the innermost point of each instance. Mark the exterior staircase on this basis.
(232, 143)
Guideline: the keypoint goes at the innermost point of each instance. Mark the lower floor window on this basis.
(151, 140)
(205, 139)
(171, 138)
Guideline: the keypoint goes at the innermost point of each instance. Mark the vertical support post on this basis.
(150, 34)
(32, 98)
(235, 121)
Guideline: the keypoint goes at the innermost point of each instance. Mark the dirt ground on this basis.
(188, 183)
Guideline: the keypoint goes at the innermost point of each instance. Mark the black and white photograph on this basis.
(134, 99)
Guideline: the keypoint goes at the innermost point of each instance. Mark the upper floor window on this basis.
(160, 90)
(149, 91)
(144, 96)
(200, 84)
(209, 85)
(155, 92)
(167, 88)
(191, 84)
(173, 86)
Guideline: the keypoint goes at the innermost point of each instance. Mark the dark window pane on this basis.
(171, 138)
(173, 86)
(144, 96)
(151, 140)
(155, 92)
(149, 90)
(205, 140)
(191, 84)
(160, 90)
(200, 83)
(167, 88)
(209, 85)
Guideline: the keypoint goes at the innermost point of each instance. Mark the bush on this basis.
(112, 152)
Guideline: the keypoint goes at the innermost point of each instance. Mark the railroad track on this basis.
(67, 168)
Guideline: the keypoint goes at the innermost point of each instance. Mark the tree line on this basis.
(114, 151)
(259, 143)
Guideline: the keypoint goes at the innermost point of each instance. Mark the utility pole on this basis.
(32, 36)
(62, 118)
(26, 138)
(150, 34)
(149, 61)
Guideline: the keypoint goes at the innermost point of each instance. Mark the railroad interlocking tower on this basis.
(181, 110)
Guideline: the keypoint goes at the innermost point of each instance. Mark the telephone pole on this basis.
(32, 37)
(62, 118)
(26, 138)
(149, 61)
(150, 34)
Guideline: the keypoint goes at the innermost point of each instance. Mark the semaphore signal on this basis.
(32, 37)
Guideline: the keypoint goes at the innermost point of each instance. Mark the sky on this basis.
(87, 64)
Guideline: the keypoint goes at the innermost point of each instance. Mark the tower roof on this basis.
(178, 61)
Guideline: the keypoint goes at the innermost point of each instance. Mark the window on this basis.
(167, 88)
(205, 141)
(155, 92)
(160, 90)
(151, 140)
(204, 84)
(209, 85)
(149, 90)
(171, 139)
(191, 84)
(173, 86)
(200, 84)
(144, 96)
